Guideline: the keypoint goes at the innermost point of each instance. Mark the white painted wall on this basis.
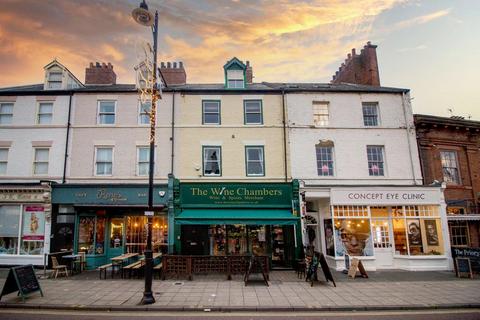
(24, 130)
(124, 136)
(351, 137)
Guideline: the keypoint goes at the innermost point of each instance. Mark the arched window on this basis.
(324, 150)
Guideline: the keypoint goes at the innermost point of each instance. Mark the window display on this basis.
(257, 240)
(33, 230)
(217, 240)
(237, 240)
(353, 237)
(329, 239)
(9, 224)
(91, 235)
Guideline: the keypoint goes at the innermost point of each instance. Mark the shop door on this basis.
(282, 246)
(195, 240)
(116, 237)
(382, 243)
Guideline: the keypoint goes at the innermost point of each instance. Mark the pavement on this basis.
(383, 290)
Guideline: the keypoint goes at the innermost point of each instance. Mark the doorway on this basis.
(382, 242)
(195, 240)
(116, 237)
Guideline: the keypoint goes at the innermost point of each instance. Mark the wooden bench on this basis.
(158, 269)
(104, 269)
(130, 267)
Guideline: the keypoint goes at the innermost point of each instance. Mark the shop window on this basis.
(237, 239)
(212, 162)
(324, 152)
(33, 230)
(352, 232)
(210, 112)
(376, 163)
(218, 240)
(320, 111)
(329, 238)
(400, 237)
(9, 227)
(350, 211)
(91, 235)
(450, 167)
(253, 111)
(257, 240)
(459, 236)
(136, 235)
(381, 212)
(255, 161)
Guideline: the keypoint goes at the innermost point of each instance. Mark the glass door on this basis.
(116, 237)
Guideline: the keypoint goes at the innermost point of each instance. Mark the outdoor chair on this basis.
(81, 263)
(59, 268)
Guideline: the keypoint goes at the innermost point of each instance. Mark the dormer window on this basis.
(235, 79)
(235, 71)
(55, 80)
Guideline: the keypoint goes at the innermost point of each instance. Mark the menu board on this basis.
(23, 280)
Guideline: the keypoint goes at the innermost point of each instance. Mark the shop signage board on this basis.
(472, 253)
(326, 270)
(397, 196)
(231, 195)
(23, 280)
(108, 195)
(355, 265)
(463, 267)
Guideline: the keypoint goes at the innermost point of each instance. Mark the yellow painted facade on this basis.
(232, 135)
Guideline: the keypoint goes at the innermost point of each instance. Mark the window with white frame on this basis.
(143, 161)
(370, 114)
(144, 112)
(320, 113)
(103, 161)
(450, 167)
(45, 110)
(6, 113)
(253, 111)
(324, 151)
(212, 162)
(3, 160)
(255, 161)
(55, 80)
(459, 233)
(235, 79)
(106, 112)
(376, 162)
(40, 161)
(210, 112)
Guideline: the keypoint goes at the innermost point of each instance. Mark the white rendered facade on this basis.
(343, 159)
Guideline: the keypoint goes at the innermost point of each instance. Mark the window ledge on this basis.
(419, 257)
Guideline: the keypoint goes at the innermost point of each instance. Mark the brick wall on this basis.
(173, 73)
(100, 73)
(360, 68)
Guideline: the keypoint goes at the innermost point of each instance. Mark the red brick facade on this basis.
(173, 73)
(360, 68)
(100, 74)
(462, 137)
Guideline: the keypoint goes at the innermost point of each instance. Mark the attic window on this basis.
(55, 80)
(235, 79)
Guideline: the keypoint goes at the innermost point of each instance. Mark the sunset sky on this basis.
(429, 46)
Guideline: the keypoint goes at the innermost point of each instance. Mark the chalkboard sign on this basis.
(464, 268)
(471, 253)
(23, 280)
(255, 266)
(326, 269)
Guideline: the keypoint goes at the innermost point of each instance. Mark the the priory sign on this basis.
(240, 195)
(387, 197)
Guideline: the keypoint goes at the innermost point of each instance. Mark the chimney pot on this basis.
(100, 73)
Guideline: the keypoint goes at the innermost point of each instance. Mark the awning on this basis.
(237, 216)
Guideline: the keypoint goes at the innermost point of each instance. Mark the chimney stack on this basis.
(249, 73)
(100, 74)
(360, 69)
(173, 73)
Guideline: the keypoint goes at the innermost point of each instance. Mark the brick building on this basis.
(449, 152)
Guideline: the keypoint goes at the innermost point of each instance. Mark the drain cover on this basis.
(178, 283)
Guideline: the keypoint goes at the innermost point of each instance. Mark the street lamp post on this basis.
(142, 16)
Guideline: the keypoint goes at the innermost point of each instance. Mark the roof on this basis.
(425, 119)
(264, 87)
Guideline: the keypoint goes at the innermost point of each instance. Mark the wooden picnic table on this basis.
(119, 261)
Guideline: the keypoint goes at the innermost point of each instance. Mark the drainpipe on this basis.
(66, 140)
(173, 131)
(284, 136)
(408, 138)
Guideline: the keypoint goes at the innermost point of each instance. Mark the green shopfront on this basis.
(105, 221)
(238, 219)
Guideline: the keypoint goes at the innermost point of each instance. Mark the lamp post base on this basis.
(148, 294)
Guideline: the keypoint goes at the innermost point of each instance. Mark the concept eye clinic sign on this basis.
(387, 197)
(236, 194)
